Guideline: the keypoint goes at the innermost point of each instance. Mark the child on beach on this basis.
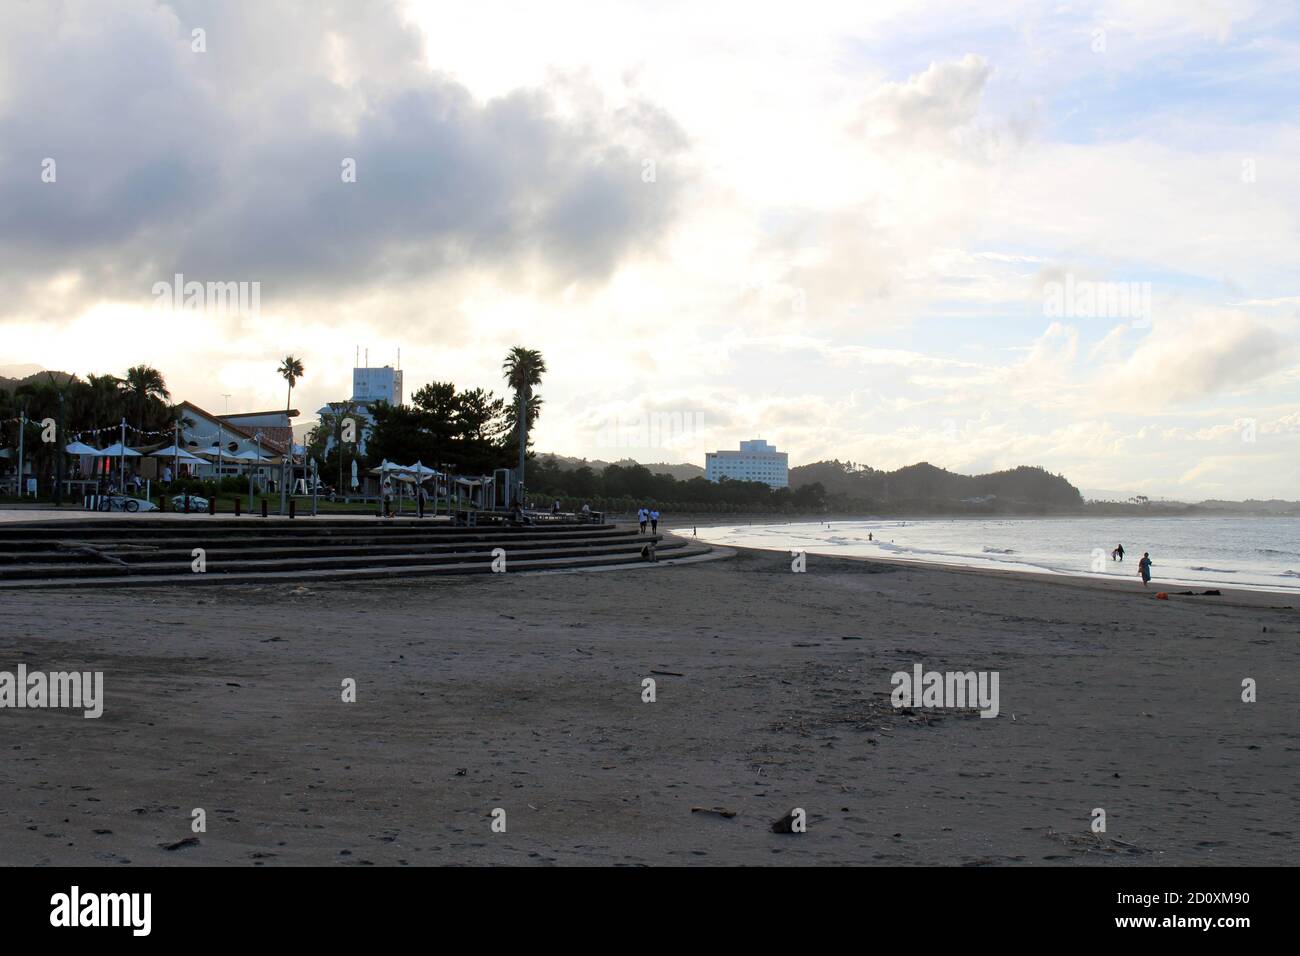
(1144, 568)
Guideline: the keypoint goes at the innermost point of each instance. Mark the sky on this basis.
(976, 234)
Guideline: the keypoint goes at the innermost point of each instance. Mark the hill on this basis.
(925, 487)
(682, 471)
(39, 376)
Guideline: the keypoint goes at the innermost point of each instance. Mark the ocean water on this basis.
(1254, 553)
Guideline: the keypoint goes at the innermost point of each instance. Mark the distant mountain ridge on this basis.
(8, 382)
(683, 471)
(928, 486)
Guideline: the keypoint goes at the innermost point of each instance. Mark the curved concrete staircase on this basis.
(114, 552)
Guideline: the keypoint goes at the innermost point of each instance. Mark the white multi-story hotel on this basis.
(756, 461)
(377, 385)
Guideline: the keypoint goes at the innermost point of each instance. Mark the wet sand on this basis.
(524, 692)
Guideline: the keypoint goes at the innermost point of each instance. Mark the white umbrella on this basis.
(121, 453)
(5, 453)
(81, 448)
(355, 482)
(118, 450)
(251, 456)
(171, 451)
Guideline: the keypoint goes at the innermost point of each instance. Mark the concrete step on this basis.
(172, 551)
(683, 550)
(96, 568)
(204, 537)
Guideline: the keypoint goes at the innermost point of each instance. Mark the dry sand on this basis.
(524, 692)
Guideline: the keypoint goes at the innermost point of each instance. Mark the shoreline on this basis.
(1127, 582)
(1229, 597)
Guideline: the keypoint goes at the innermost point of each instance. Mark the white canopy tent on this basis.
(416, 472)
(81, 448)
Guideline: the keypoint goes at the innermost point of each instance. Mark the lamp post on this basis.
(258, 439)
(58, 458)
(121, 460)
(22, 429)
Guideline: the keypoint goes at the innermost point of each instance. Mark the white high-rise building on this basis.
(377, 385)
(755, 461)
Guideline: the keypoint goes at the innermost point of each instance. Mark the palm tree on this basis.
(290, 370)
(144, 384)
(98, 401)
(523, 369)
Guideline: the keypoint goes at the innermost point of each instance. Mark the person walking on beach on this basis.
(642, 516)
(1118, 553)
(1144, 568)
(654, 522)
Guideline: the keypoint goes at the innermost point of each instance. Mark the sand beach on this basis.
(524, 693)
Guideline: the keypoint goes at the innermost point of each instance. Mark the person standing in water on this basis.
(1119, 552)
(1144, 568)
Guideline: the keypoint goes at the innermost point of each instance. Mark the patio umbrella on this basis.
(118, 450)
(121, 453)
(250, 456)
(81, 448)
(180, 454)
(421, 471)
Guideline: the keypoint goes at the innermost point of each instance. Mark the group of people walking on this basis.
(650, 516)
(1144, 566)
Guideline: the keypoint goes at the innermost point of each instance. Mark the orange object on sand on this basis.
(1162, 596)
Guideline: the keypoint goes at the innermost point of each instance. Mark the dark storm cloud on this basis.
(225, 165)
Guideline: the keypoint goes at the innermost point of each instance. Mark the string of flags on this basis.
(84, 434)
(117, 430)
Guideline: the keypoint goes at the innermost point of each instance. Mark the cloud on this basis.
(227, 165)
(934, 103)
(1198, 357)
